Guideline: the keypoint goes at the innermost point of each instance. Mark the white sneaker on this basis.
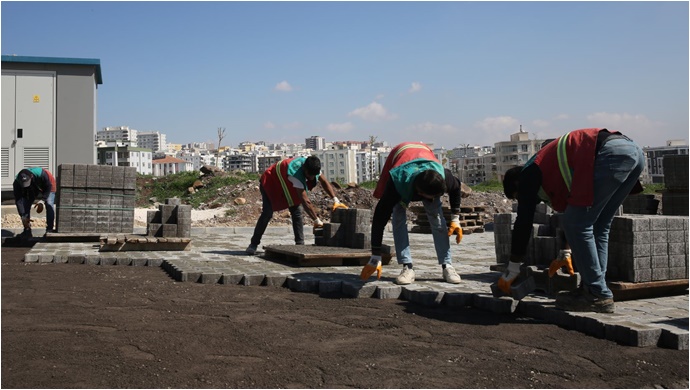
(405, 277)
(251, 249)
(450, 276)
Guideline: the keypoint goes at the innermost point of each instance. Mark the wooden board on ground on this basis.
(623, 291)
(320, 256)
(132, 242)
(73, 237)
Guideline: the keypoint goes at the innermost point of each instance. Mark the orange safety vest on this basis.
(278, 187)
(402, 153)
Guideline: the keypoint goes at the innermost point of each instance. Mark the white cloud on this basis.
(292, 126)
(641, 129)
(373, 112)
(283, 86)
(561, 117)
(340, 127)
(269, 125)
(379, 97)
(499, 124)
(416, 87)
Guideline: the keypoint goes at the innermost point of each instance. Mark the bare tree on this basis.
(221, 135)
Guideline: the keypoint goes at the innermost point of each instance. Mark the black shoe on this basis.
(584, 302)
(26, 234)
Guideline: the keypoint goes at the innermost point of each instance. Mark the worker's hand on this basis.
(455, 228)
(39, 206)
(374, 265)
(337, 204)
(506, 280)
(318, 223)
(564, 260)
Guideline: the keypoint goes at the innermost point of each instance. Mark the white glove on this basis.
(511, 273)
(336, 200)
(565, 253)
(374, 265)
(318, 223)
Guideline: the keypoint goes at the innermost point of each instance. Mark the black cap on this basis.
(25, 179)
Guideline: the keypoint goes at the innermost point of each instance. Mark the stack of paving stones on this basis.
(675, 196)
(641, 204)
(470, 219)
(648, 248)
(95, 198)
(350, 228)
(172, 219)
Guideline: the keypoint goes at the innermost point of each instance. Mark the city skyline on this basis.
(442, 72)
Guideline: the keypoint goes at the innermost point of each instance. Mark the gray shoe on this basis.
(251, 249)
(583, 301)
(405, 277)
(450, 276)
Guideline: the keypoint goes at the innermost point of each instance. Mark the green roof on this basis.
(58, 60)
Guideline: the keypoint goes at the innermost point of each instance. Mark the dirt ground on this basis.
(79, 326)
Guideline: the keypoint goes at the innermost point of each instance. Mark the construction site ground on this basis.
(212, 317)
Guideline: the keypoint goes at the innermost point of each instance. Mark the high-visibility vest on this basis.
(278, 187)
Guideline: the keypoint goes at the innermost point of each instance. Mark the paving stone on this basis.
(458, 299)
(31, 258)
(275, 280)
(210, 277)
(330, 287)
(107, 260)
(388, 292)
(139, 262)
(45, 258)
(253, 279)
(92, 259)
(74, 259)
(298, 284)
(674, 339)
(358, 289)
(495, 305)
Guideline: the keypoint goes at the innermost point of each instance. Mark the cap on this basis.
(25, 179)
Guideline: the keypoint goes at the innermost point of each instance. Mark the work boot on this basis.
(405, 277)
(26, 234)
(450, 276)
(583, 301)
(251, 249)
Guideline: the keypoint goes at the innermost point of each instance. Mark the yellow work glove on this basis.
(564, 260)
(39, 206)
(506, 280)
(455, 228)
(337, 204)
(374, 265)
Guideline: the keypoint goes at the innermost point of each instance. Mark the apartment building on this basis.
(654, 170)
(515, 152)
(264, 162)
(169, 166)
(121, 135)
(154, 140)
(367, 164)
(338, 165)
(315, 143)
(244, 162)
(126, 156)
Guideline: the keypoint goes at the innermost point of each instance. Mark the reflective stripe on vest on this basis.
(413, 146)
(286, 190)
(563, 161)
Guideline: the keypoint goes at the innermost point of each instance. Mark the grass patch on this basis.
(653, 188)
(488, 186)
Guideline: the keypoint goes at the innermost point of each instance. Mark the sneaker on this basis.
(251, 249)
(405, 277)
(450, 276)
(584, 301)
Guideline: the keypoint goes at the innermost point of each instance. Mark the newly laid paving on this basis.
(217, 257)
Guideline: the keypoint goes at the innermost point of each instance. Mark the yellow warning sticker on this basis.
(37, 98)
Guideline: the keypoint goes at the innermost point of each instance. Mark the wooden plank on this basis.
(623, 291)
(321, 256)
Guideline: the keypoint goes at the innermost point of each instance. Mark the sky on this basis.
(445, 73)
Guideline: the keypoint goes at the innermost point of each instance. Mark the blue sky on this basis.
(447, 73)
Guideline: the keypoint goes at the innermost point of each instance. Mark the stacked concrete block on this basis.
(545, 240)
(172, 219)
(470, 219)
(95, 198)
(641, 204)
(648, 248)
(350, 228)
(675, 197)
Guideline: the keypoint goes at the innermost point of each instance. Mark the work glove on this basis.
(511, 273)
(337, 204)
(39, 206)
(564, 260)
(374, 265)
(318, 224)
(455, 228)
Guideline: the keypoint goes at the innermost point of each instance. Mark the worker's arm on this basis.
(326, 185)
(382, 214)
(454, 196)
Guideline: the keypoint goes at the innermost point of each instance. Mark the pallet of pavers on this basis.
(132, 242)
(470, 219)
(318, 256)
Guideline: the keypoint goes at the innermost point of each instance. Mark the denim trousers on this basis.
(49, 206)
(439, 231)
(267, 215)
(617, 167)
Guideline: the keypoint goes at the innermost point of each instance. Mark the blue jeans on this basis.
(438, 229)
(49, 205)
(617, 167)
(267, 215)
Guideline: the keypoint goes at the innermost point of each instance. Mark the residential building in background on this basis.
(120, 135)
(154, 140)
(265, 162)
(315, 143)
(654, 172)
(367, 165)
(515, 152)
(126, 156)
(338, 165)
(169, 166)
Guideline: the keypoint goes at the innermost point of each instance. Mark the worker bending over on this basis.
(29, 185)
